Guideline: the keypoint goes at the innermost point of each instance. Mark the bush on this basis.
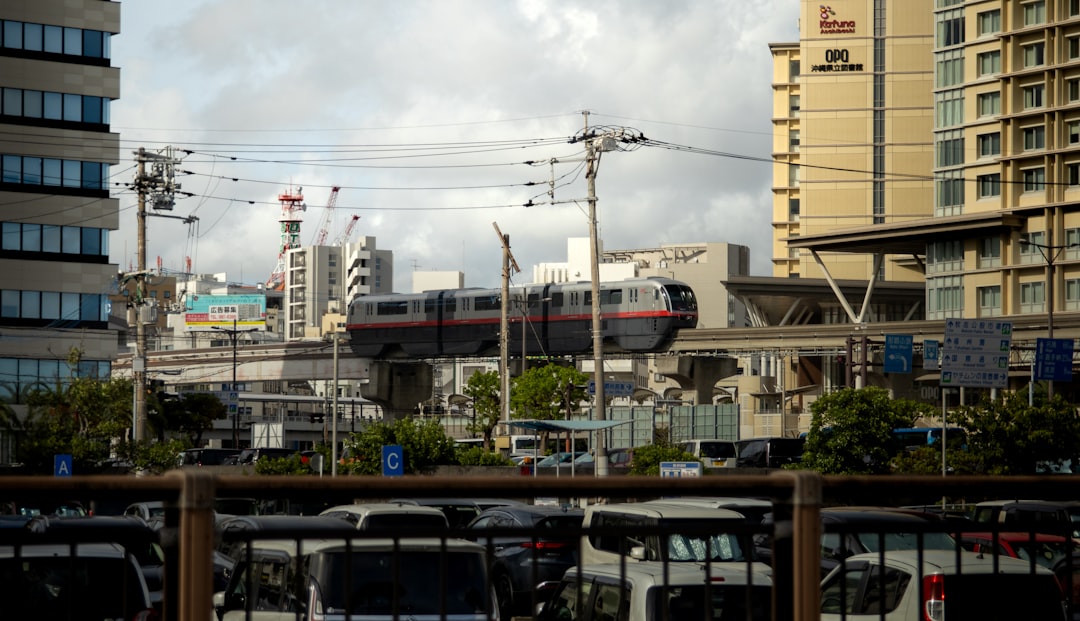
(477, 456)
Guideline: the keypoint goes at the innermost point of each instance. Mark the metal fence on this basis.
(794, 531)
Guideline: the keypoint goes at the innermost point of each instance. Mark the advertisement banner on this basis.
(208, 312)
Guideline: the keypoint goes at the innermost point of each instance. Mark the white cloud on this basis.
(230, 79)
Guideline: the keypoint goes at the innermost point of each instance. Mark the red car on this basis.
(1047, 550)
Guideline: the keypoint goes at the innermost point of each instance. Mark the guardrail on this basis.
(797, 498)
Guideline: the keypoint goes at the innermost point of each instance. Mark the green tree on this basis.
(551, 392)
(647, 458)
(1007, 436)
(192, 414)
(851, 430)
(424, 443)
(82, 417)
(479, 456)
(483, 389)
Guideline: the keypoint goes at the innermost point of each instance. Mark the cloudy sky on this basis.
(438, 118)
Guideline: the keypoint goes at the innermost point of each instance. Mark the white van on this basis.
(712, 452)
(657, 531)
(390, 516)
(660, 592)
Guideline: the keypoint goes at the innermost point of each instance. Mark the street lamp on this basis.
(1050, 254)
(234, 334)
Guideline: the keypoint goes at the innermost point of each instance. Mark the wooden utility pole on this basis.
(508, 263)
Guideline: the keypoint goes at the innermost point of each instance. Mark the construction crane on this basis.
(347, 233)
(327, 219)
(292, 203)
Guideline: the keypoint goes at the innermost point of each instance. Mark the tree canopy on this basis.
(483, 389)
(424, 445)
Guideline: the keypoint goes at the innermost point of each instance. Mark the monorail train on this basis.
(638, 315)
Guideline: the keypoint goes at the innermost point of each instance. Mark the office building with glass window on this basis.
(57, 151)
(997, 230)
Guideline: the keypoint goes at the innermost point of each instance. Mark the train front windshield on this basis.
(682, 297)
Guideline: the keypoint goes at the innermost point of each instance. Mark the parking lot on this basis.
(700, 548)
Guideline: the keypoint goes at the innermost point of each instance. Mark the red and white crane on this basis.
(327, 219)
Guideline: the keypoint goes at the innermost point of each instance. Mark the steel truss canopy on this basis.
(566, 425)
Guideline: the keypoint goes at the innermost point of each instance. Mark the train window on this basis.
(449, 305)
(532, 299)
(488, 302)
(557, 299)
(392, 308)
(588, 298)
(610, 296)
(429, 306)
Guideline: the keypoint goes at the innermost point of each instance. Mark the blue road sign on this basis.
(62, 465)
(976, 353)
(393, 461)
(680, 469)
(898, 353)
(614, 389)
(930, 354)
(1054, 359)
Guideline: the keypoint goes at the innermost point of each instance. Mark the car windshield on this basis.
(906, 541)
(717, 449)
(403, 521)
(415, 583)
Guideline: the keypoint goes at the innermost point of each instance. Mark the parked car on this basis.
(931, 585)
(619, 531)
(131, 533)
(251, 455)
(520, 562)
(1058, 518)
(146, 510)
(458, 511)
(1046, 550)
(82, 582)
(660, 592)
(390, 516)
(712, 452)
(769, 452)
(412, 578)
(561, 459)
(204, 456)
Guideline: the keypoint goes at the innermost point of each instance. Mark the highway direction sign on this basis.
(1054, 359)
(898, 353)
(614, 389)
(976, 353)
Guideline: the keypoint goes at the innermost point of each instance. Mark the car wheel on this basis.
(504, 592)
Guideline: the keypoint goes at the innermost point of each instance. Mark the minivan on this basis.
(420, 579)
(713, 453)
(205, 456)
(769, 452)
(660, 592)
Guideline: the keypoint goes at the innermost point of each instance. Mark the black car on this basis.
(519, 562)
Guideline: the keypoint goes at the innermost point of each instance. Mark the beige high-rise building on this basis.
(56, 86)
(853, 117)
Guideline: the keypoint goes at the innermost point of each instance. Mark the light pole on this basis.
(234, 334)
(1050, 254)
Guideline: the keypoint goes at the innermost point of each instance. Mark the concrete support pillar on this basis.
(398, 387)
(697, 375)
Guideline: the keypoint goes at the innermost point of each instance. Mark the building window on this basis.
(1072, 129)
(945, 256)
(1034, 179)
(1072, 243)
(1031, 247)
(989, 144)
(1074, 8)
(950, 28)
(989, 301)
(989, 104)
(793, 106)
(1072, 47)
(950, 148)
(989, 63)
(944, 297)
(989, 22)
(1072, 90)
(1072, 294)
(949, 108)
(990, 252)
(949, 195)
(793, 70)
(1034, 137)
(54, 172)
(989, 185)
(1034, 55)
(1034, 13)
(793, 140)
(1072, 173)
(793, 209)
(1032, 297)
(56, 40)
(1033, 96)
(949, 68)
(793, 175)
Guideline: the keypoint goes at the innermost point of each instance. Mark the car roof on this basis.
(875, 514)
(951, 562)
(299, 523)
(404, 544)
(662, 510)
(534, 510)
(716, 502)
(384, 508)
(43, 550)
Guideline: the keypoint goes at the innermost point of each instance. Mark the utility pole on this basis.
(508, 263)
(159, 185)
(234, 334)
(593, 147)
